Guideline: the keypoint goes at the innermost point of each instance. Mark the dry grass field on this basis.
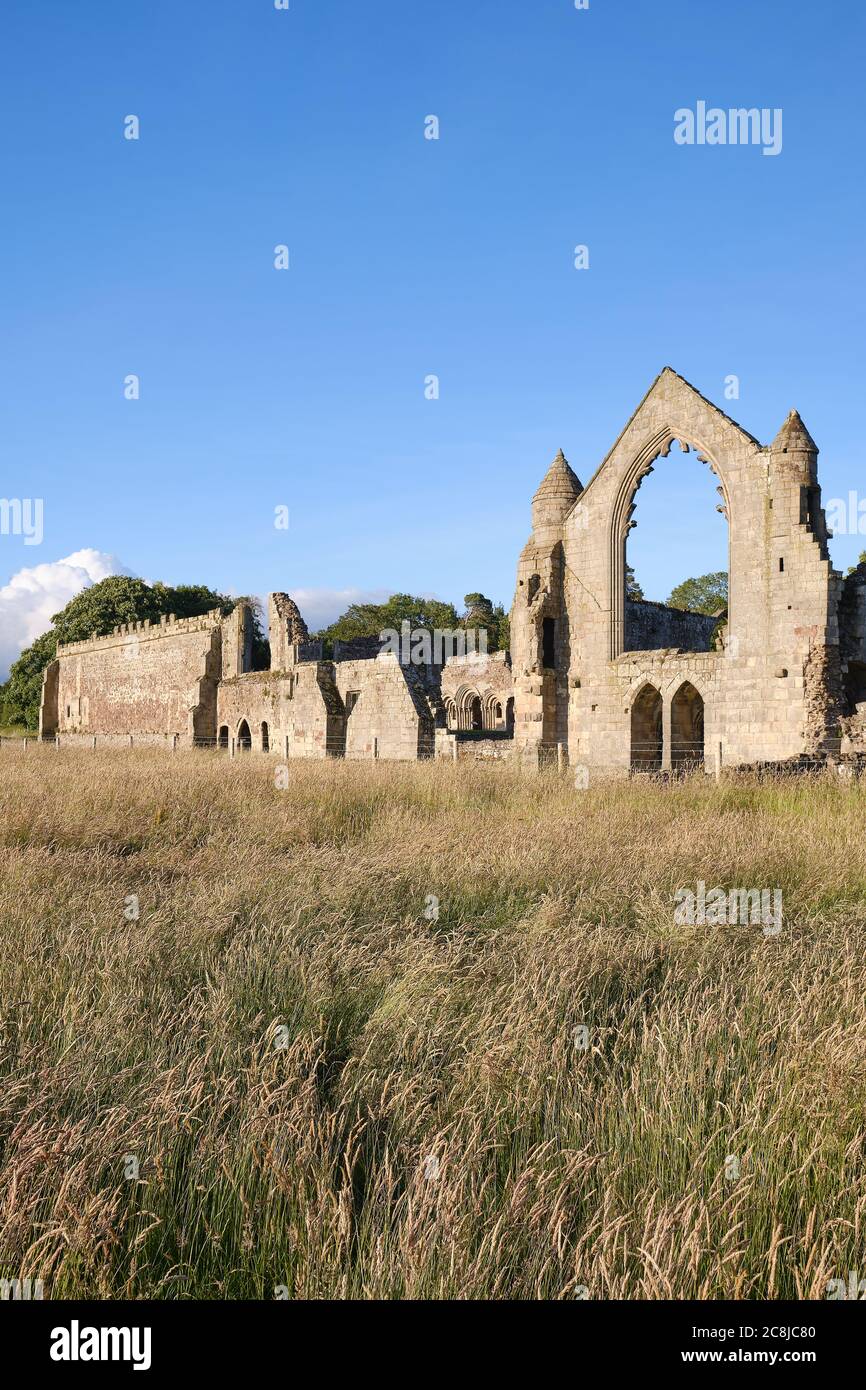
(327, 1094)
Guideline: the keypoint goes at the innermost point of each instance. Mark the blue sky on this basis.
(409, 257)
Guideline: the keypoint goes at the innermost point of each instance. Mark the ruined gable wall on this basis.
(286, 628)
(391, 717)
(754, 692)
(146, 679)
(782, 614)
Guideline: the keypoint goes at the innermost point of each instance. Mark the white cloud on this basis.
(33, 595)
(321, 607)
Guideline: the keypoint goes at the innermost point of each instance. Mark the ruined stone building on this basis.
(190, 681)
(633, 685)
(599, 680)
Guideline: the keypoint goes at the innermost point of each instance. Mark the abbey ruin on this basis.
(595, 679)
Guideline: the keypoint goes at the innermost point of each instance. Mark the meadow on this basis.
(424, 1031)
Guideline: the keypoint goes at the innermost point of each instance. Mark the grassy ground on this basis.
(329, 1094)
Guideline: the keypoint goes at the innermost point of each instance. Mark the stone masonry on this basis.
(603, 682)
(622, 689)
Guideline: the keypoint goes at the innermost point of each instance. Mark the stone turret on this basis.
(794, 483)
(559, 490)
(795, 451)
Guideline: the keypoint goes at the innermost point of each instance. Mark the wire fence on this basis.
(647, 759)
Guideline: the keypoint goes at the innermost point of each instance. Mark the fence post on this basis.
(560, 757)
(174, 743)
(25, 743)
(231, 747)
(719, 764)
(56, 740)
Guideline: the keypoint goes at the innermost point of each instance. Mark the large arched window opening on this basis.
(245, 738)
(265, 738)
(476, 713)
(223, 736)
(663, 533)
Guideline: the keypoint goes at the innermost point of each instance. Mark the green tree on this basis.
(706, 594)
(369, 619)
(861, 561)
(481, 612)
(633, 590)
(98, 609)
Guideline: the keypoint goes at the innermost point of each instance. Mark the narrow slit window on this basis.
(548, 643)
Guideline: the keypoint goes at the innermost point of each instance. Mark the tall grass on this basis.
(330, 1094)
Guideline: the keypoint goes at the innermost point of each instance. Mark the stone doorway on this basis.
(687, 728)
(646, 731)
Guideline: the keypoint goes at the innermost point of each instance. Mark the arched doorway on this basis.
(476, 714)
(646, 731)
(223, 736)
(687, 728)
(265, 738)
(245, 738)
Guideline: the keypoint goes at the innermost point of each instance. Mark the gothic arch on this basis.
(687, 726)
(647, 737)
(657, 446)
(244, 739)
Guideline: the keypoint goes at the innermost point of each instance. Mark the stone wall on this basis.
(354, 709)
(237, 641)
(296, 709)
(653, 625)
(388, 714)
(485, 679)
(286, 629)
(154, 679)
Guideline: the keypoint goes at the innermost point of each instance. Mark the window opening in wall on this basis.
(548, 643)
